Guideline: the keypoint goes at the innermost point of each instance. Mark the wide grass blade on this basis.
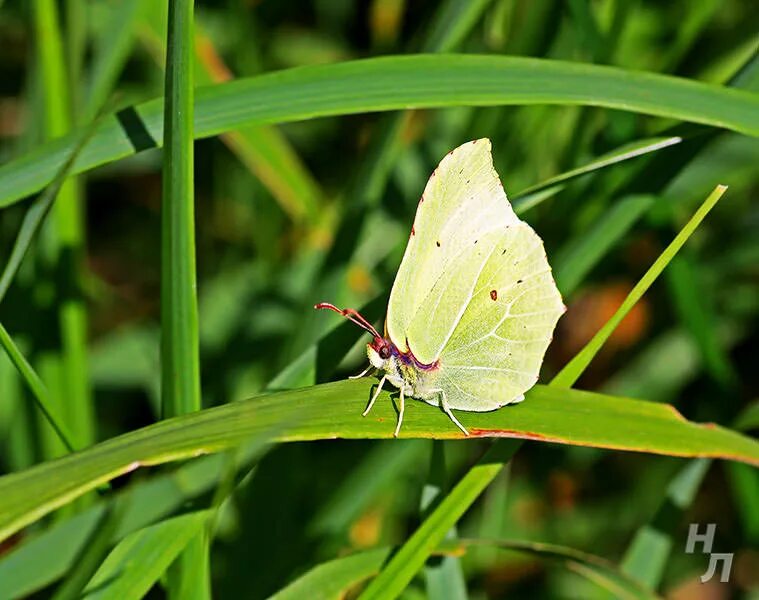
(333, 410)
(392, 83)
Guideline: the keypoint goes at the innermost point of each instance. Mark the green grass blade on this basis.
(264, 150)
(112, 47)
(69, 230)
(744, 484)
(38, 560)
(400, 569)
(374, 474)
(336, 577)
(333, 410)
(596, 569)
(572, 371)
(443, 577)
(92, 555)
(618, 155)
(189, 576)
(333, 578)
(452, 23)
(647, 554)
(583, 252)
(37, 211)
(392, 83)
(691, 305)
(134, 566)
(180, 371)
(37, 387)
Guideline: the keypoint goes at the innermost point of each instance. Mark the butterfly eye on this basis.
(384, 352)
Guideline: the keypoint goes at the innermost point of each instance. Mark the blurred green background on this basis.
(319, 210)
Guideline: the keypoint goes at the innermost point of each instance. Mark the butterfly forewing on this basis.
(462, 203)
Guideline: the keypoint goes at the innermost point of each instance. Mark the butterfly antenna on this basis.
(352, 315)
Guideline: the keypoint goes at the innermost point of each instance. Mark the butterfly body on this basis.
(474, 304)
(405, 372)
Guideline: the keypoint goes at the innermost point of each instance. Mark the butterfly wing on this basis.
(474, 290)
(497, 347)
(463, 202)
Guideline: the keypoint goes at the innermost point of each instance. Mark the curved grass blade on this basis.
(333, 410)
(392, 83)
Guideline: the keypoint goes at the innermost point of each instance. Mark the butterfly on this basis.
(474, 304)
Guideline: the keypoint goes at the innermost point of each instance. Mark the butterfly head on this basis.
(380, 350)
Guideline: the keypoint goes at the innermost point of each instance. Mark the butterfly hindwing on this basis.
(496, 350)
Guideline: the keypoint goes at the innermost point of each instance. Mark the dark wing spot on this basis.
(467, 180)
(475, 241)
(437, 244)
(504, 252)
(519, 280)
(493, 294)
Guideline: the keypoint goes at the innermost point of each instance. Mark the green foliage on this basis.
(610, 122)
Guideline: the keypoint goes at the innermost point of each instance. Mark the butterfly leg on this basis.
(374, 396)
(362, 373)
(400, 415)
(449, 412)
